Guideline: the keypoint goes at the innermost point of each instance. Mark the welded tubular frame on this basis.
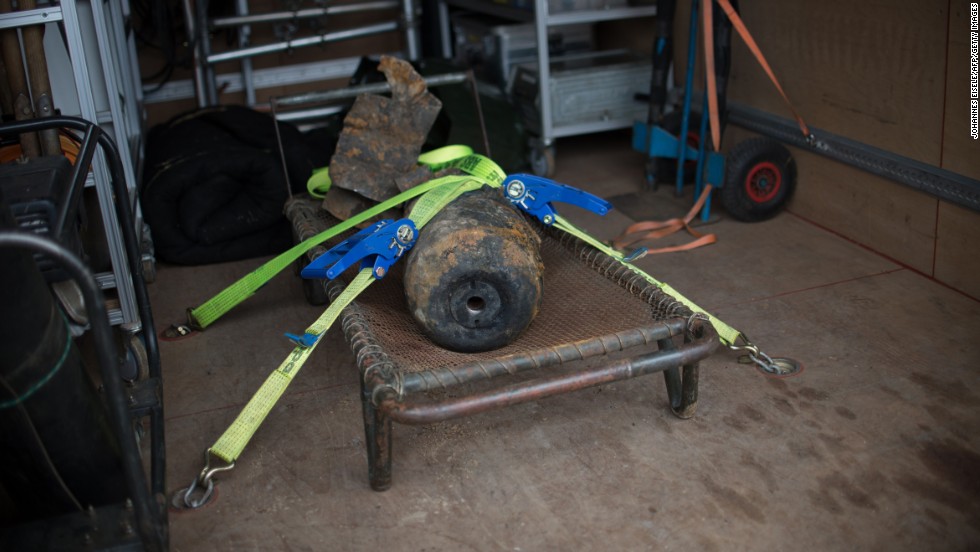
(674, 345)
(126, 220)
(416, 413)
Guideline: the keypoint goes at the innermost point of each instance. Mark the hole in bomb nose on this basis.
(476, 304)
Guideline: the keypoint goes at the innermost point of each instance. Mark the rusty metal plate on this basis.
(382, 137)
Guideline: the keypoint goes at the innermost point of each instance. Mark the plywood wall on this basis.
(893, 74)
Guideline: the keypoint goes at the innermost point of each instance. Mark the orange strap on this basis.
(649, 230)
(709, 73)
(743, 31)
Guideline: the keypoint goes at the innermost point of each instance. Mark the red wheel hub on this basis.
(763, 182)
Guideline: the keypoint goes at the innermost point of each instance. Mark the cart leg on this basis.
(682, 385)
(689, 392)
(377, 436)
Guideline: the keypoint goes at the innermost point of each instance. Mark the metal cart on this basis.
(544, 17)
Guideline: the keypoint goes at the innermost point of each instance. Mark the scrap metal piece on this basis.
(382, 137)
(344, 204)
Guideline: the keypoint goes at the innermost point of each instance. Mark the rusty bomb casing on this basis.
(473, 279)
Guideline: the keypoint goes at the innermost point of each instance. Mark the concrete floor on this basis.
(874, 446)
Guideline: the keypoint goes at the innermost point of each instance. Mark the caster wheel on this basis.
(135, 365)
(760, 177)
(149, 270)
(543, 161)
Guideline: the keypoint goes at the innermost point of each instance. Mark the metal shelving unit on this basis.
(92, 67)
(207, 83)
(543, 19)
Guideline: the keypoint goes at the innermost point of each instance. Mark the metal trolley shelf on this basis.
(543, 154)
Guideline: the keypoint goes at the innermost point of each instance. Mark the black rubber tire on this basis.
(760, 178)
(665, 168)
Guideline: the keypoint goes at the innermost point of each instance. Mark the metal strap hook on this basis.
(204, 480)
(778, 367)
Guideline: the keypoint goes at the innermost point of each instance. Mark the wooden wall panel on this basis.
(895, 220)
(872, 71)
(961, 153)
(893, 74)
(958, 249)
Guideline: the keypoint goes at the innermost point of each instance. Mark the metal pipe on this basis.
(367, 30)
(439, 378)
(306, 13)
(371, 88)
(424, 413)
(79, 173)
(413, 42)
(200, 87)
(244, 40)
(17, 76)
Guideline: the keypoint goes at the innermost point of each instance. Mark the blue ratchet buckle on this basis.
(378, 246)
(535, 194)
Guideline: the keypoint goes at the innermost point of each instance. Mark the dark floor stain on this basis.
(949, 390)
(821, 499)
(845, 413)
(889, 391)
(745, 417)
(764, 470)
(707, 545)
(731, 501)
(948, 420)
(848, 489)
(804, 405)
(928, 490)
(782, 386)
(814, 394)
(736, 423)
(838, 485)
(834, 443)
(939, 413)
(935, 516)
(958, 466)
(747, 411)
(783, 406)
(954, 480)
(804, 450)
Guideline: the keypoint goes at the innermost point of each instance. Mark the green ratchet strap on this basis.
(207, 313)
(435, 195)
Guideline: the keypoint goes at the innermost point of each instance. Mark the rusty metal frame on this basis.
(389, 393)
